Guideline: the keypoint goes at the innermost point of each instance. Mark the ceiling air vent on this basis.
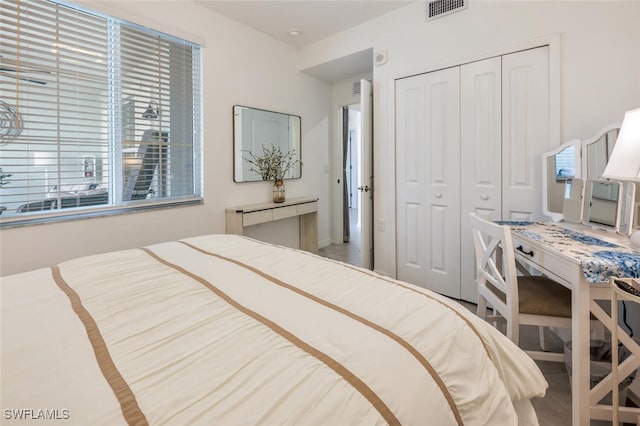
(440, 8)
(356, 88)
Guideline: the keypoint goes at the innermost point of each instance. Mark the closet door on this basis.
(468, 139)
(428, 180)
(525, 132)
(480, 157)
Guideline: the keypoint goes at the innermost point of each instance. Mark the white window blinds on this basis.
(97, 114)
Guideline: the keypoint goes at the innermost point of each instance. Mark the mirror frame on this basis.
(238, 146)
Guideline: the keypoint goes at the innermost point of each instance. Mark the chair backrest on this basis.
(496, 272)
(152, 155)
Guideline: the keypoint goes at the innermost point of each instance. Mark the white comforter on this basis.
(222, 329)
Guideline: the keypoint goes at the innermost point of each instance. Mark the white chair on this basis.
(519, 299)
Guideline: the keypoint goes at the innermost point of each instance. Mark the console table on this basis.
(306, 208)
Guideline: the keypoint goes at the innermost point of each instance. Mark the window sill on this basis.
(55, 216)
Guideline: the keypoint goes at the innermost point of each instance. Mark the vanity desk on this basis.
(583, 259)
(306, 208)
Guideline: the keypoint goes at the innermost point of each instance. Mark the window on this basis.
(97, 115)
(565, 164)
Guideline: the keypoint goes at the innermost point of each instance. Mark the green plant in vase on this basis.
(273, 164)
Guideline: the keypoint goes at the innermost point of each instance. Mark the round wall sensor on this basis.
(381, 57)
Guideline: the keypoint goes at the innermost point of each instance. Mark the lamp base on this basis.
(634, 239)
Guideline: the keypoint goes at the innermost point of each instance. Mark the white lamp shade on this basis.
(624, 163)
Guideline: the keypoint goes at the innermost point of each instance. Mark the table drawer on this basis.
(283, 212)
(555, 266)
(562, 268)
(255, 218)
(307, 208)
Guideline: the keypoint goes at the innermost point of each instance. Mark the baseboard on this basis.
(324, 243)
(383, 273)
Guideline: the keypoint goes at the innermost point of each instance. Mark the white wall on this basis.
(600, 68)
(240, 66)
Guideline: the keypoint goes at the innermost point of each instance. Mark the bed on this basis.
(224, 329)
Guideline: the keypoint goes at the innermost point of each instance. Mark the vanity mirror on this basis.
(560, 167)
(608, 205)
(254, 129)
(575, 159)
(597, 150)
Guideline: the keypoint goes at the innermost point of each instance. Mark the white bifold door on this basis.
(468, 139)
(428, 180)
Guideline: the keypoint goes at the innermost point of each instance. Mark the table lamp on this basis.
(624, 163)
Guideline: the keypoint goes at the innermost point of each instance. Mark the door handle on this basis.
(521, 250)
(365, 189)
(438, 195)
(484, 197)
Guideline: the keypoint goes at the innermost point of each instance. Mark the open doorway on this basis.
(352, 180)
(352, 204)
(349, 250)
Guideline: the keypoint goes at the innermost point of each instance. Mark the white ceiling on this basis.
(315, 20)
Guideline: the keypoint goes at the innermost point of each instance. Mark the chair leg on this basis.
(482, 307)
(544, 343)
(513, 331)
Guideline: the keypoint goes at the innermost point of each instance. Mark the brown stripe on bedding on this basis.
(394, 282)
(128, 403)
(462, 317)
(341, 370)
(406, 345)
